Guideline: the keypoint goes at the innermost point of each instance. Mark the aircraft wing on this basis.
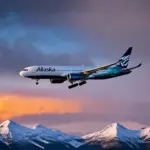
(94, 70)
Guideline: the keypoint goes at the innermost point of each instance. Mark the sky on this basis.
(77, 32)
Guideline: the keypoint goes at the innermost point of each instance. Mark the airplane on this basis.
(79, 75)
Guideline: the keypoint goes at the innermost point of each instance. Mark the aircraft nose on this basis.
(21, 73)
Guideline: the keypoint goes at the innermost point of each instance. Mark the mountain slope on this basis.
(11, 131)
(118, 135)
(115, 136)
(13, 134)
(56, 135)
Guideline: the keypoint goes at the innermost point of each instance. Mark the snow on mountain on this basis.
(10, 130)
(56, 135)
(39, 136)
(145, 133)
(1, 140)
(37, 145)
(116, 132)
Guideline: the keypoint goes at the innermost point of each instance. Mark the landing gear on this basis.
(82, 83)
(37, 82)
(73, 85)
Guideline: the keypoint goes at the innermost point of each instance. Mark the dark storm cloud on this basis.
(39, 6)
(57, 6)
(23, 55)
(110, 26)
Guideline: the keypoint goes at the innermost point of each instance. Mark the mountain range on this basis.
(14, 136)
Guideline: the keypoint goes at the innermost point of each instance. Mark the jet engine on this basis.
(56, 81)
(74, 76)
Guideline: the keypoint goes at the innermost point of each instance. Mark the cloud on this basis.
(83, 122)
(62, 112)
(17, 105)
(57, 112)
(27, 46)
(105, 29)
(48, 6)
(23, 55)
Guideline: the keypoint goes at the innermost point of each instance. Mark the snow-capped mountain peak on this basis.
(39, 127)
(7, 126)
(8, 123)
(115, 126)
(109, 131)
(39, 135)
(112, 134)
(113, 131)
(10, 130)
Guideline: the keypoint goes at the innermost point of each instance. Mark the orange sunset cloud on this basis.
(20, 105)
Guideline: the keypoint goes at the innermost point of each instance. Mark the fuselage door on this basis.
(34, 69)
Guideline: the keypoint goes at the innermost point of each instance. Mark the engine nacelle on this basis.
(75, 76)
(56, 81)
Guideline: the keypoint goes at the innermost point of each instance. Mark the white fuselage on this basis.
(48, 72)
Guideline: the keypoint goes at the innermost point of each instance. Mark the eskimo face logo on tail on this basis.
(123, 62)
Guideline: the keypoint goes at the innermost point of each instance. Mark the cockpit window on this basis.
(25, 70)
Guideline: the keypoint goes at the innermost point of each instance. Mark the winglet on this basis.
(140, 64)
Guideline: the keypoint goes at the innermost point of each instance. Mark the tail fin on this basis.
(124, 60)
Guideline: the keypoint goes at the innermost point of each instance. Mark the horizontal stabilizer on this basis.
(139, 65)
